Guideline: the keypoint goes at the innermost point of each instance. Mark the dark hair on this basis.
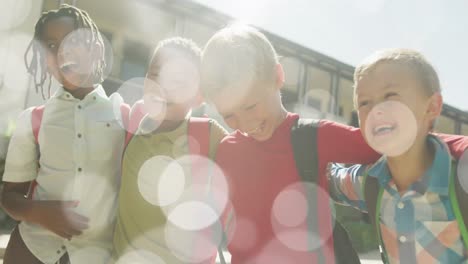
(36, 64)
(183, 45)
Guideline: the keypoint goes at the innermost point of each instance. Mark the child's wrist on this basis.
(30, 212)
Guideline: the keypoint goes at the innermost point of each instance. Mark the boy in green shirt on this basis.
(157, 172)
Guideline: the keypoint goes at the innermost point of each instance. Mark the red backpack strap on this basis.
(199, 136)
(36, 120)
(135, 115)
(199, 145)
(125, 112)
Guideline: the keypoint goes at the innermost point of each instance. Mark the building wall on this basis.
(314, 88)
(464, 130)
(445, 125)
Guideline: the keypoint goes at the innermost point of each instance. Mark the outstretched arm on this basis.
(346, 185)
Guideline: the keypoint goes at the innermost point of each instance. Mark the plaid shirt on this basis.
(418, 226)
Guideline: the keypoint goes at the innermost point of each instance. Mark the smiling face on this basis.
(69, 56)
(257, 113)
(171, 86)
(394, 108)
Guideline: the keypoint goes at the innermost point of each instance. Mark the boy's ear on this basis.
(435, 106)
(279, 76)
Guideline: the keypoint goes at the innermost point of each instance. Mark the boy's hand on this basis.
(59, 217)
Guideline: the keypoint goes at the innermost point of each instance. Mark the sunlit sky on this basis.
(350, 30)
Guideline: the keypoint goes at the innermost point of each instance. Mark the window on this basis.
(147, 23)
(445, 125)
(137, 20)
(135, 60)
(292, 72)
(318, 89)
(345, 99)
(464, 129)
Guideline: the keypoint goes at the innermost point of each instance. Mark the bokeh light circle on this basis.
(390, 128)
(79, 59)
(14, 12)
(291, 224)
(161, 181)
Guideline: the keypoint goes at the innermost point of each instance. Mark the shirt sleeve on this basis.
(346, 185)
(22, 157)
(344, 144)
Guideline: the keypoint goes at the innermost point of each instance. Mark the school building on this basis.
(316, 85)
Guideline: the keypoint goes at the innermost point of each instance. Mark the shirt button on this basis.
(402, 239)
(67, 96)
(79, 169)
(107, 125)
(79, 106)
(58, 251)
(401, 205)
(79, 135)
(63, 247)
(94, 97)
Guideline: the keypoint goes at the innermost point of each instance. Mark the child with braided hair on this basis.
(38, 65)
(68, 150)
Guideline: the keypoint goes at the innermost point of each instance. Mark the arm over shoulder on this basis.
(346, 184)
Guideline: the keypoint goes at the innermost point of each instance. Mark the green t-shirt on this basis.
(141, 218)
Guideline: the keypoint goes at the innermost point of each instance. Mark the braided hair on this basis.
(34, 57)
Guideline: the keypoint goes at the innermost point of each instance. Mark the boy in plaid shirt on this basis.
(397, 94)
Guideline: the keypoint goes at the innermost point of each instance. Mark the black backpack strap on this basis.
(371, 195)
(304, 144)
(303, 140)
(344, 251)
(371, 192)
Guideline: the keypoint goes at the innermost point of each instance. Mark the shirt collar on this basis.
(436, 178)
(97, 93)
(148, 126)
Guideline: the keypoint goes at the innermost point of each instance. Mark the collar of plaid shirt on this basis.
(435, 179)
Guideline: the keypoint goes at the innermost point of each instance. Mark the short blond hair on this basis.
(237, 55)
(406, 57)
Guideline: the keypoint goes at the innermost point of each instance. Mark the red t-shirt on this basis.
(259, 172)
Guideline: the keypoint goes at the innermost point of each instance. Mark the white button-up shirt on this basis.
(81, 144)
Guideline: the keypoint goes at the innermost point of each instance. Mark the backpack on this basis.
(458, 199)
(303, 140)
(304, 143)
